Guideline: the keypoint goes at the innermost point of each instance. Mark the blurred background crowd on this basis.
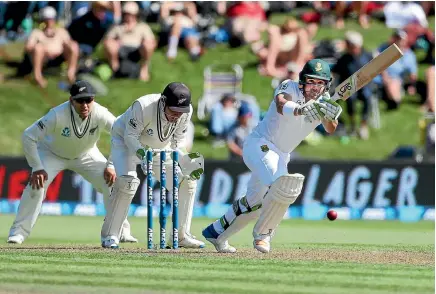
(107, 40)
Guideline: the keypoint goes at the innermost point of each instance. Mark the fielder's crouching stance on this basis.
(65, 138)
(297, 109)
(155, 121)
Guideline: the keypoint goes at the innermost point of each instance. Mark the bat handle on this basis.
(335, 97)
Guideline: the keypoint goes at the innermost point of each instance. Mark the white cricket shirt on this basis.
(64, 133)
(284, 131)
(145, 123)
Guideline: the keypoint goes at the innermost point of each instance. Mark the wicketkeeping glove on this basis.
(192, 164)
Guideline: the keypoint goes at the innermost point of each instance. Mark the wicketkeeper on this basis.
(65, 138)
(155, 121)
(297, 109)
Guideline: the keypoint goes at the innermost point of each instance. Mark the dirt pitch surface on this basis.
(359, 256)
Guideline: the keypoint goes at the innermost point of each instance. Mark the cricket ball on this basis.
(332, 215)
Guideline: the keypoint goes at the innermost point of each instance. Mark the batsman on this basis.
(297, 109)
(155, 121)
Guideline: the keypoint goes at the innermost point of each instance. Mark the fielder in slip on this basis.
(297, 109)
(155, 121)
(65, 138)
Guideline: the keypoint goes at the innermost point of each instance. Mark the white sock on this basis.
(172, 46)
(195, 50)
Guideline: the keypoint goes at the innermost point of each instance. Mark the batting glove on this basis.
(330, 109)
(312, 111)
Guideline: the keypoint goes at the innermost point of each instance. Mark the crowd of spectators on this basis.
(68, 33)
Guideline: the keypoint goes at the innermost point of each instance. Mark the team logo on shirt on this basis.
(41, 125)
(66, 132)
(133, 123)
(92, 131)
(284, 86)
(264, 148)
(150, 132)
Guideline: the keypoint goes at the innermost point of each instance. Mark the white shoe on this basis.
(189, 241)
(222, 247)
(262, 243)
(16, 239)
(211, 235)
(128, 239)
(110, 242)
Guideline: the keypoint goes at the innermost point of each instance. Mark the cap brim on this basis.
(83, 95)
(180, 109)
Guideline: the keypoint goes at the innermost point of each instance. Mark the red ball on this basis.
(332, 215)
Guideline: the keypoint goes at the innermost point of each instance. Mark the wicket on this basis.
(163, 198)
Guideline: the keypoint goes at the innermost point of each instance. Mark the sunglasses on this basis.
(84, 100)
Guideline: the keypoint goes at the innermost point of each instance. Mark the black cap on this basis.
(81, 89)
(177, 97)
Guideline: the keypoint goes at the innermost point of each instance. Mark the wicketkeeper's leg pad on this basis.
(187, 192)
(282, 193)
(119, 202)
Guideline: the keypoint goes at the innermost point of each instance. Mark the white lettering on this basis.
(51, 209)
(335, 190)
(358, 193)
(374, 213)
(384, 185)
(406, 188)
(311, 184)
(221, 187)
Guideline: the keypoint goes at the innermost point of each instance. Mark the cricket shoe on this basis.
(110, 242)
(212, 236)
(128, 239)
(262, 243)
(189, 241)
(16, 239)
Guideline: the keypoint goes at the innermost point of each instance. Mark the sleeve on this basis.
(231, 136)
(412, 65)
(108, 119)
(179, 136)
(283, 88)
(147, 33)
(33, 38)
(134, 127)
(112, 33)
(65, 36)
(33, 134)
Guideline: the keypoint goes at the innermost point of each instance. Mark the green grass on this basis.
(63, 255)
(21, 103)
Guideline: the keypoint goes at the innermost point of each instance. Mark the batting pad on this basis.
(187, 191)
(283, 192)
(119, 202)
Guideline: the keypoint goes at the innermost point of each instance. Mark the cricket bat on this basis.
(368, 72)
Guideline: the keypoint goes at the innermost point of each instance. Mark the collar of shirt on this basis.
(80, 123)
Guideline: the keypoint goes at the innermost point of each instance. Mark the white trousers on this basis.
(266, 162)
(90, 166)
